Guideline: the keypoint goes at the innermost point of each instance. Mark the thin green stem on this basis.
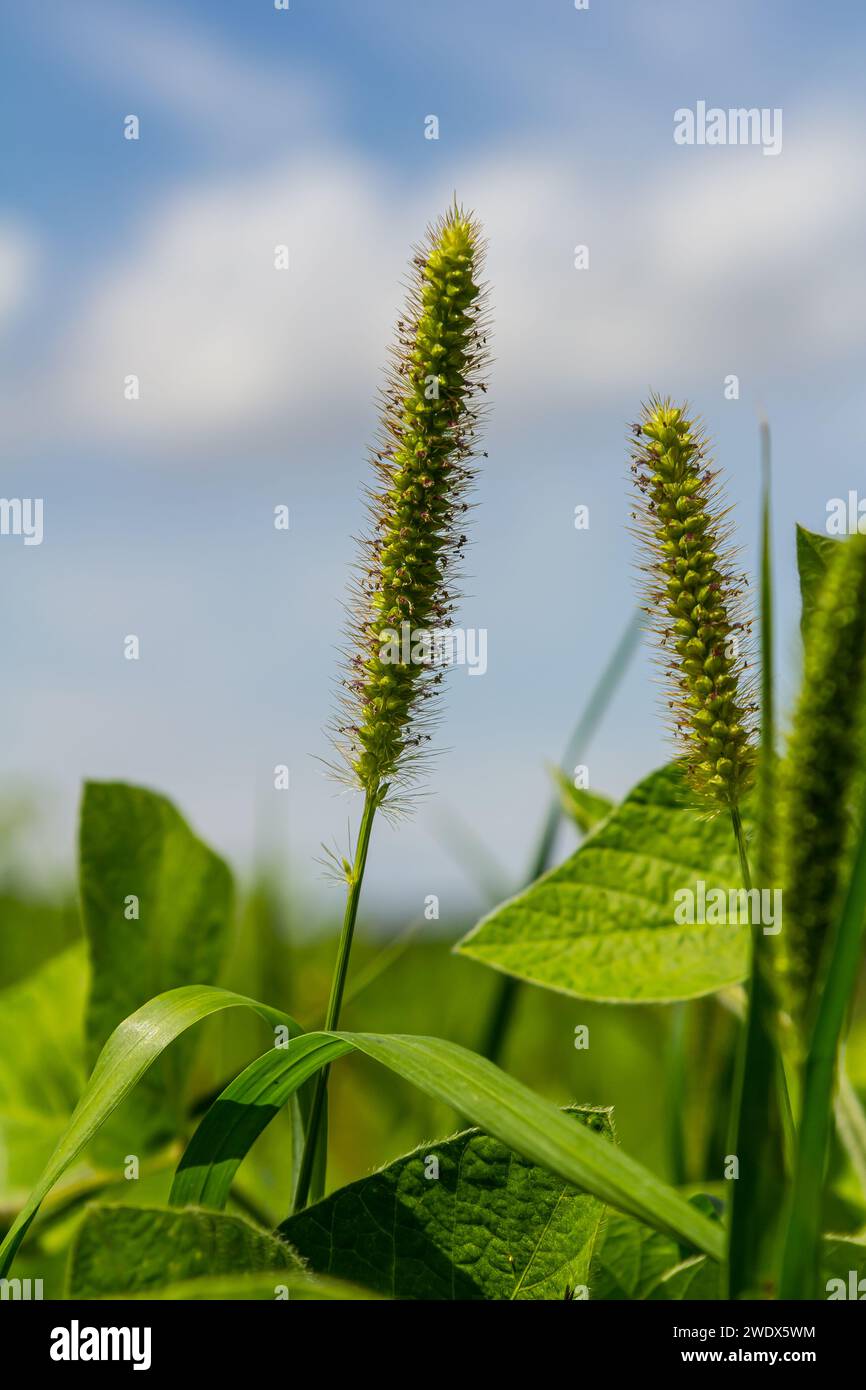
(338, 984)
(739, 836)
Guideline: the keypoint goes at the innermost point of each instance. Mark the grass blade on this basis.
(505, 999)
(757, 1134)
(501, 1106)
(131, 1049)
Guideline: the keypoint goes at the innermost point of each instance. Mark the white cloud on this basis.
(715, 261)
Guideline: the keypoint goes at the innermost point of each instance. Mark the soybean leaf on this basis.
(587, 809)
(41, 1066)
(156, 905)
(463, 1218)
(498, 1104)
(122, 1250)
(813, 556)
(602, 925)
(630, 1260)
(126, 1057)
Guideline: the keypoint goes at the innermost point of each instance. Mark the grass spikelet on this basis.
(697, 603)
(411, 554)
(821, 777)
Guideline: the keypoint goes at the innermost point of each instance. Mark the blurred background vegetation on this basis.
(665, 1071)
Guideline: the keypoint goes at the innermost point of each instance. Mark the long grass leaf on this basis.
(500, 1105)
(758, 1191)
(133, 1046)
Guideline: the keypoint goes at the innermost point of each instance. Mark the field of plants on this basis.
(638, 1077)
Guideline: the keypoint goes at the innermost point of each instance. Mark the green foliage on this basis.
(696, 602)
(601, 926)
(33, 930)
(814, 552)
(585, 808)
(482, 1224)
(501, 1106)
(41, 1067)
(132, 1048)
(631, 1259)
(821, 776)
(122, 1250)
(135, 845)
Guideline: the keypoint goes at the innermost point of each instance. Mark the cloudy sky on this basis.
(155, 257)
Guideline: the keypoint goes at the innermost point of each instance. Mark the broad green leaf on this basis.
(630, 1260)
(602, 926)
(41, 1067)
(156, 905)
(499, 1105)
(122, 1250)
(131, 1049)
(587, 809)
(276, 1285)
(461, 1218)
(813, 556)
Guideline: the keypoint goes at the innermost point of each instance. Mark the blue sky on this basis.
(306, 128)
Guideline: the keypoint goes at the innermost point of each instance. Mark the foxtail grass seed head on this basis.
(821, 777)
(697, 606)
(424, 466)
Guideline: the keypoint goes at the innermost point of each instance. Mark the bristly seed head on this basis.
(696, 602)
(821, 780)
(424, 466)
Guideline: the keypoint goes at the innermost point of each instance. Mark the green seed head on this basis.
(418, 511)
(821, 778)
(697, 606)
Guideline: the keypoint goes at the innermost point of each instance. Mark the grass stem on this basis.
(332, 1016)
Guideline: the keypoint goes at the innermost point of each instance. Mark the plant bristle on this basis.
(411, 555)
(696, 603)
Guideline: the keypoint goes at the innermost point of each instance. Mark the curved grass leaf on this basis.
(501, 1106)
(585, 808)
(461, 1218)
(121, 1250)
(131, 1049)
(156, 904)
(601, 926)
